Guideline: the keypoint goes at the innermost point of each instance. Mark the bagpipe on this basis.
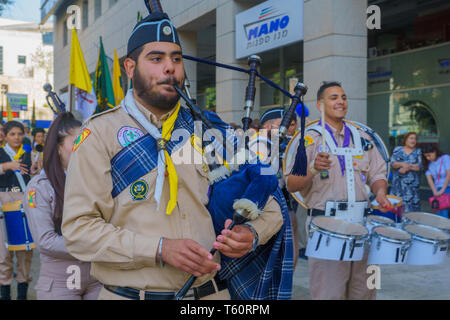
(241, 186)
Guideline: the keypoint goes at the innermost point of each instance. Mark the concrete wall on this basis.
(335, 48)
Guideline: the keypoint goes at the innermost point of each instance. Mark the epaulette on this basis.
(94, 116)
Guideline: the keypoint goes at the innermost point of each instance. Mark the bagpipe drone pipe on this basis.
(240, 188)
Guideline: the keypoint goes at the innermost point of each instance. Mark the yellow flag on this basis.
(8, 108)
(117, 83)
(79, 75)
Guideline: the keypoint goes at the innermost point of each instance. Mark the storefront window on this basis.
(412, 116)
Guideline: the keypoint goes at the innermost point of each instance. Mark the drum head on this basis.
(392, 233)
(379, 219)
(427, 232)
(429, 219)
(340, 226)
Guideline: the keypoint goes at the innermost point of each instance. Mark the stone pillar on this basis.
(335, 48)
(188, 40)
(230, 85)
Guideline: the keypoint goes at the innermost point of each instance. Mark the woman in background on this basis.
(406, 163)
(15, 165)
(437, 166)
(44, 209)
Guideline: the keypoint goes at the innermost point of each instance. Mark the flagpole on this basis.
(70, 97)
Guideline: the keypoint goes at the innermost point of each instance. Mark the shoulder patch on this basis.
(126, 135)
(308, 141)
(84, 134)
(32, 198)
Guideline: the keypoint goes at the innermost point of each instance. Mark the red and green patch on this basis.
(81, 138)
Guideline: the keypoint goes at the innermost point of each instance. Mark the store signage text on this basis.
(270, 25)
(270, 31)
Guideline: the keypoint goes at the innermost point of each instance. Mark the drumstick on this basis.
(322, 115)
(324, 173)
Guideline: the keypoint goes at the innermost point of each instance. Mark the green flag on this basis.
(102, 83)
(33, 116)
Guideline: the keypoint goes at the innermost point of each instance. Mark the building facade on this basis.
(26, 64)
(396, 76)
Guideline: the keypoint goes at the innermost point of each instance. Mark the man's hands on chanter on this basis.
(189, 256)
(234, 243)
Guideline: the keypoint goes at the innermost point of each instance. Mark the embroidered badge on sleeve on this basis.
(32, 198)
(81, 138)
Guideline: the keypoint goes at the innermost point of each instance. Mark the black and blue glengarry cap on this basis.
(156, 27)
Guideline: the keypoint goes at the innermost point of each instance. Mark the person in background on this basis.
(38, 137)
(43, 204)
(406, 162)
(37, 155)
(27, 138)
(437, 166)
(15, 167)
(2, 136)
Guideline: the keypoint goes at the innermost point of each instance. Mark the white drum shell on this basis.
(383, 251)
(331, 247)
(423, 252)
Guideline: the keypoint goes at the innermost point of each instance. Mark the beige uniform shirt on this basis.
(368, 168)
(120, 235)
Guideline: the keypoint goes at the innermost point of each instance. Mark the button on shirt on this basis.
(367, 169)
(120, 235)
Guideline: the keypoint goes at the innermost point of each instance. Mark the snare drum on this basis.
(335, 239)
(17, 230)
(388, 246)
(428, 219)
(376, 221)
(393, 214)
(428, 244)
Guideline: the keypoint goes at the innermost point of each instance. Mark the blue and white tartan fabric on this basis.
(267, 272)
(141, 156)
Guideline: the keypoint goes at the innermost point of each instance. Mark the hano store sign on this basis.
(18, 102)
(267, 26)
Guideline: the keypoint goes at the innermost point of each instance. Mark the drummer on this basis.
(326, 181)
(15, 169)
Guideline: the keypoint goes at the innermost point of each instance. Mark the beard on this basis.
(150, 96)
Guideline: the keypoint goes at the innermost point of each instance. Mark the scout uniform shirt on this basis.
(120, 235)
(367, 169)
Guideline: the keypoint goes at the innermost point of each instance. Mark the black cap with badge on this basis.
(156, 27)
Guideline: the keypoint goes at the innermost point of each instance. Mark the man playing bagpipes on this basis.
(136, 206)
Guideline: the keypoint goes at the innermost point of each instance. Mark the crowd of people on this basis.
(107, 196)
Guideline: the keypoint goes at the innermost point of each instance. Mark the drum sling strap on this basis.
(348, 154)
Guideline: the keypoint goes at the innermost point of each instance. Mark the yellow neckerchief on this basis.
(166, 133)
(19, 153)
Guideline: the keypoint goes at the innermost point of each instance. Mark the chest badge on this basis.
(127, 135)
(139, 190)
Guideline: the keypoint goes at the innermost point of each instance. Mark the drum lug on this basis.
(352, 244)
(378, 244)
(327, 242)
(435, 248)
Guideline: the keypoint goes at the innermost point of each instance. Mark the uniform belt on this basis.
(316, 212)
(204, 290)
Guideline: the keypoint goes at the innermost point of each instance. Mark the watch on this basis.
(255, 236)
